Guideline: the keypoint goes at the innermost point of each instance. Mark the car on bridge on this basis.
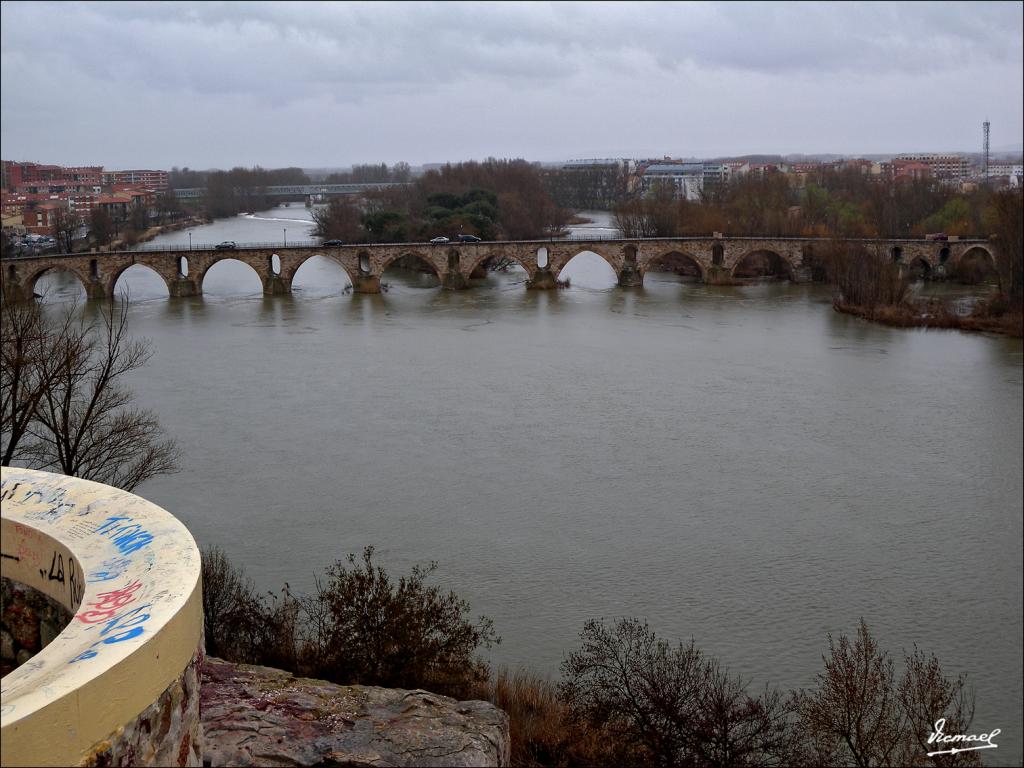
(440, 240)
(227, 245)
(469, 239)
(332, 243)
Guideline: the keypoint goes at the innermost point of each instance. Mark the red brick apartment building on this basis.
(146, 178)
(16, 174)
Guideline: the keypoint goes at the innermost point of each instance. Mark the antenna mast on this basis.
(984, 158)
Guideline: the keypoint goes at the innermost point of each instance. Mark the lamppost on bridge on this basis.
(286, 238)
(190, 241)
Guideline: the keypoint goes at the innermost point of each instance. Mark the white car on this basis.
(439, 240)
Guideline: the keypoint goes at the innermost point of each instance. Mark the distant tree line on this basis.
(229, 193)
(831, 203)
(600, 187)
(371, 174)
(494, 199)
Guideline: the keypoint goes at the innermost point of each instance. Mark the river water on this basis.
(739, 465)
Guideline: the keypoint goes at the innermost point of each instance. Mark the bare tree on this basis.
(670, 705)
(101, 226)
(340, 219)
(33, 351)
(65, 225)
(68, 411)
(859, 715)
(1008, 227)
(925, 695)
(864, 277)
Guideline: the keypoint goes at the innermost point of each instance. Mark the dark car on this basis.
(469, 239)
(227, 245)
(334, 242)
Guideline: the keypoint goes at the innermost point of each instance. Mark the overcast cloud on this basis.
(331, 84)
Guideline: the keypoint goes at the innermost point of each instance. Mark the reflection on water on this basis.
(739, 464)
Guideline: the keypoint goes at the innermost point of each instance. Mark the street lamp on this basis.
(190, 241)
(286, 238)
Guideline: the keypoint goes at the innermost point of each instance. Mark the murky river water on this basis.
(740, 465)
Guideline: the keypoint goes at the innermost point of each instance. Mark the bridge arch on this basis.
(975, 264)
(201, 276)
(566, 257)
(419, 255)
(471, 264)
(141, 269)
(289, 272)
(763, 262)
(674, 260)
(33, 279)
(978, 249)
(919, 268)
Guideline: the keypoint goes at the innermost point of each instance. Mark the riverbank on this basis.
(153, 232)
(985, 317)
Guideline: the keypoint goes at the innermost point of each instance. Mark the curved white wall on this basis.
(130, 573)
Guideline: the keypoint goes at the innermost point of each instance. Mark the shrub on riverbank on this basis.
(865, 277)
(868, 284)
(992, 316)
(626, 696)
(359, 627)
(542, 730)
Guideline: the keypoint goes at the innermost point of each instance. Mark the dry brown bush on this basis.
(860, 714)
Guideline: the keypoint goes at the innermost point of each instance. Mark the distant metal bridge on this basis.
(298, 190)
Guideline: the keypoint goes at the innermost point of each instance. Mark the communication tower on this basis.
(984, 153)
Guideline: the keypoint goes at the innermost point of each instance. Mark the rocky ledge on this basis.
(261, 716)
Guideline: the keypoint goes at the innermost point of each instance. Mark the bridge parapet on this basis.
(119, 685)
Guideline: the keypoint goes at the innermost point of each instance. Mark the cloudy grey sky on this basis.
(329, 84)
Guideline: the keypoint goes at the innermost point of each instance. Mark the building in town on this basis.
(943, 167)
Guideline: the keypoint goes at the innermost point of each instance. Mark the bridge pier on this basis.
(183, 287)
(802, 275)
(630, 277)
(718, 275)
(95, 289)
(542, 280)
(453, 281)
(366, 284)
(276, 285)
(14, 291)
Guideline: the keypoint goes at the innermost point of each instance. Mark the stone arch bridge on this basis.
(713, 259)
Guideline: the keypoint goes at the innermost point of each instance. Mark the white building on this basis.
(687, 179)
(954, 167)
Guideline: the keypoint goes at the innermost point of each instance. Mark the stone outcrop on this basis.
(260, 716)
